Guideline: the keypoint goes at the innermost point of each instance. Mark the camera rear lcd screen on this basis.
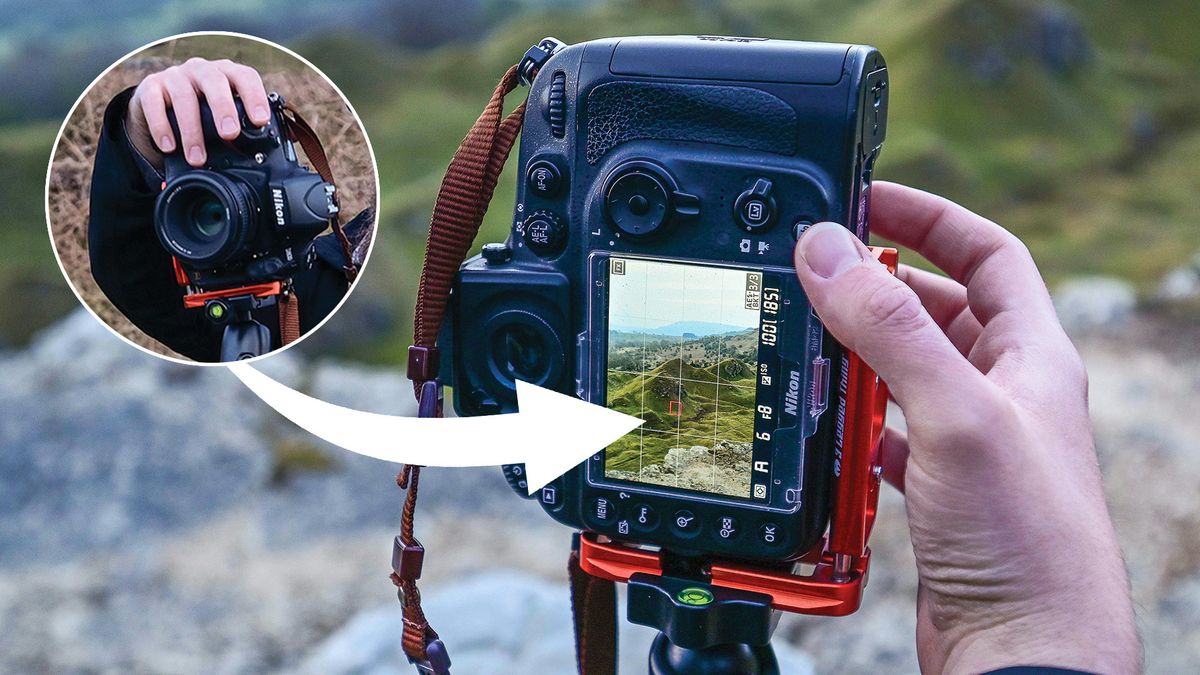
(689, 349)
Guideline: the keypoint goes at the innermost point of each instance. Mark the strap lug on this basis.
(536, 57)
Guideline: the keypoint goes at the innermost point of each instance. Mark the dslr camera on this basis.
(249, 216)
(663, 184)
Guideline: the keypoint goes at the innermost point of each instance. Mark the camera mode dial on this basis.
(544, 233)
(640, 199)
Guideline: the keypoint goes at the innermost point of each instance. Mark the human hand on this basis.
(179, 87)
(1017, 559)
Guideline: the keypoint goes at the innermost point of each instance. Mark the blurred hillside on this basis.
(1075, 124)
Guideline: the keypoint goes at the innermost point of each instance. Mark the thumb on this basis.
(876, 315)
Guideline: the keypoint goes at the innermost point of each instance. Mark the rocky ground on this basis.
(155, 518)
(723, 468)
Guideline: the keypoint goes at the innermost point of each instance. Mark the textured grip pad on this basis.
(735, 116)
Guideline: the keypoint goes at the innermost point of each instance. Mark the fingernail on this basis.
(261, 114)
(166, 143)
(828, 249)
(195, 154)
(229, 126)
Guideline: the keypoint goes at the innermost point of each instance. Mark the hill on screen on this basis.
(687, 328)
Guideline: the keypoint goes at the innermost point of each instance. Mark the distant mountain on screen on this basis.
(690, 329)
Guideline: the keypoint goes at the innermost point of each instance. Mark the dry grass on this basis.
(71, 165)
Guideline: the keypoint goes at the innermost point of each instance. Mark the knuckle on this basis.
(196, 61)
(215, 86)
(894, 306)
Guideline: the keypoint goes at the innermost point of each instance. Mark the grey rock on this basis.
(1094, 303)
(103, 444)
(504, 622)
(1181, 283)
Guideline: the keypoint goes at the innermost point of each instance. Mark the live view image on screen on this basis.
(682, 355)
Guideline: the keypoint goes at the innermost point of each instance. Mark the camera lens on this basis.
(204, 218)
(523, 346)
(208, 217)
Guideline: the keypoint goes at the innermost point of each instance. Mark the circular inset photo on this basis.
(211, 197)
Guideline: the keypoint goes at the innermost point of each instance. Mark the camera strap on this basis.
(462, 202)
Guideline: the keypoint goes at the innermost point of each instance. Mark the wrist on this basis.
(1095, 637)
(138, 133)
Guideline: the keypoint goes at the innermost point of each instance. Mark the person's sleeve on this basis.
(128, 263)
(320, 288)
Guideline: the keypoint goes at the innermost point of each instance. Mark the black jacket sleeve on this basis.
(135, 272)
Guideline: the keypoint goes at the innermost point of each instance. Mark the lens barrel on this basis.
(205, 218)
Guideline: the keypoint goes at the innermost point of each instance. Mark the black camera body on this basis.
(250, 214)
(664, 181)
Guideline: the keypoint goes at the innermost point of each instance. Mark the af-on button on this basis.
(543, 177)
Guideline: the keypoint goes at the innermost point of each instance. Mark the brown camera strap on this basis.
(462, 202)
(594, 610)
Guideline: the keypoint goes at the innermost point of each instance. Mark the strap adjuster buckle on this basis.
(423, 363)
(537, 56)
(407, 560)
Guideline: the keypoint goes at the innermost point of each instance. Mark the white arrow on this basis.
(551, 434)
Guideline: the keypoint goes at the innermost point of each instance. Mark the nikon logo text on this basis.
(791, 397)
(277, 199)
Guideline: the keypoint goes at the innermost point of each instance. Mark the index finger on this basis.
(994, 266)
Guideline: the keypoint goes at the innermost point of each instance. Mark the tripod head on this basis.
(703, 628)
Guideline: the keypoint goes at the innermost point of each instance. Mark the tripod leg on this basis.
(245, 339)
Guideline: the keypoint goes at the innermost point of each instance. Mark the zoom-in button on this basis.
(685, 522)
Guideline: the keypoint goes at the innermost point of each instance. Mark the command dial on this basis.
(544, 233)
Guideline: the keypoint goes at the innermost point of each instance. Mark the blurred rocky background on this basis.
(154, 518)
